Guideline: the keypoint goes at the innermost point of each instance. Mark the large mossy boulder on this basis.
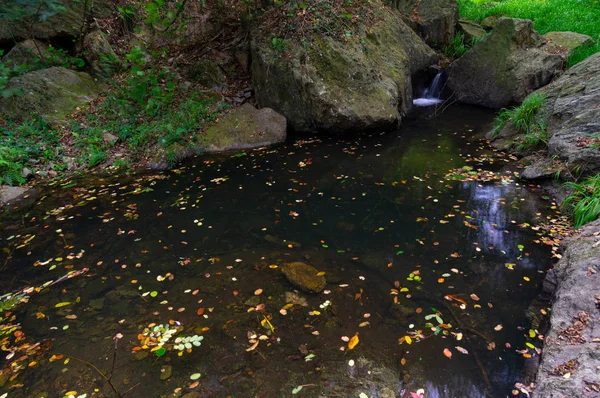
(53, 93)
(65, 20)
(504, 67)
(572, 115)
(470, 30)
(245, 127)
(434, 20)
(336, 86)
(99, 54)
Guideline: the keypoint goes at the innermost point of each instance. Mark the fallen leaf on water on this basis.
(474, 297)
(498, 328)
(447, 353)
(461, 350)
(353, 342)
(258, 292)
(200, 311)
(253, 346)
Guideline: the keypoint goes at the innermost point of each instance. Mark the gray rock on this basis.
(26, 173)
(99, 54)
(489, 23)
(31, 53)
(541, 168)
(577, 276)
(572, 114)
(338, 87)
(470, 30)
(304, 277)
(54, 93)
(564, 43)
(9, 195)
(110, 139)
(504, 67)
(433, 20)
(245, 127)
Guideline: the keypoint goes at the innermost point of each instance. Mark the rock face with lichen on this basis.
(335, 86)
(245, 127)
(99, 54)
(305, 277)
(433, 20)
(504, 67)
(53, 93)
(570, 345)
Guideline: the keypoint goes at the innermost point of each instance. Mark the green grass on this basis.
(580, 16)
(584, 202)
(527, 121)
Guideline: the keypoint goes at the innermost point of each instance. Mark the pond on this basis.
(162, 284)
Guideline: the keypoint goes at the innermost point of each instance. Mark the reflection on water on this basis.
(200, 248)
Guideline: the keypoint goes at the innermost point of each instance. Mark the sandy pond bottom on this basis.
(175, 283)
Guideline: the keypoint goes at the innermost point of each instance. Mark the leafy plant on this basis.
(584, 202)
(526, 120)
(456, 47)
(10, 167)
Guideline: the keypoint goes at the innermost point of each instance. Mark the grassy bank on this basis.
(580, 16)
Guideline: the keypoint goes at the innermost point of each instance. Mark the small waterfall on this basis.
(431, 95)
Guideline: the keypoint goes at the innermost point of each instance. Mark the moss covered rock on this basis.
(99, 54)
(53, 93)
(33, 54)
(338, 86)
(63, 21)
(433, 20)
(504, 67)
(470, 30)
(305, 277)
(245, 127)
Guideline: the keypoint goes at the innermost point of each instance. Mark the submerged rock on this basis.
(245, 127)
(574, 322)
(54, 93)
(433, 20)
(504, 67)
(304, 277)
(337, 87)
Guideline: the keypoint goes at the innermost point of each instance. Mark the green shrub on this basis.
(10, 167)
(456, 48)
(584, 202)
(583, 52)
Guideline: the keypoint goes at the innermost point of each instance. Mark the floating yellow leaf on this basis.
(353, 342)
(64, 303)
(531, 333)
(320, 273)
(408, 339)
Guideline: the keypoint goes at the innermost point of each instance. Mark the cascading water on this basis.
(431, 95)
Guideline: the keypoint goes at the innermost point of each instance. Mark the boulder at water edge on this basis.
(245, 127)
(305, 277)
(433, 20)
(572, 114)
(504, 67)
(338, 86)
(53, 93)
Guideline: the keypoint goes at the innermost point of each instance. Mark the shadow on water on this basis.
(405, 251)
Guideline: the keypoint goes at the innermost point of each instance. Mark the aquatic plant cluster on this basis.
(156, 338)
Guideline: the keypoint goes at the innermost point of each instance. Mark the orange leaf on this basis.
(447, 353)
(200, 311)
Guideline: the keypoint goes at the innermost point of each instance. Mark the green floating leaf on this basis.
(195, 376)
(530, 345)
(400, 252)
(521, 247)
(428, 317)
(297, 390)
(160, 352)
(153, 294)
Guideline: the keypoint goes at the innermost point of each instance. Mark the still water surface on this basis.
(405, 250)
